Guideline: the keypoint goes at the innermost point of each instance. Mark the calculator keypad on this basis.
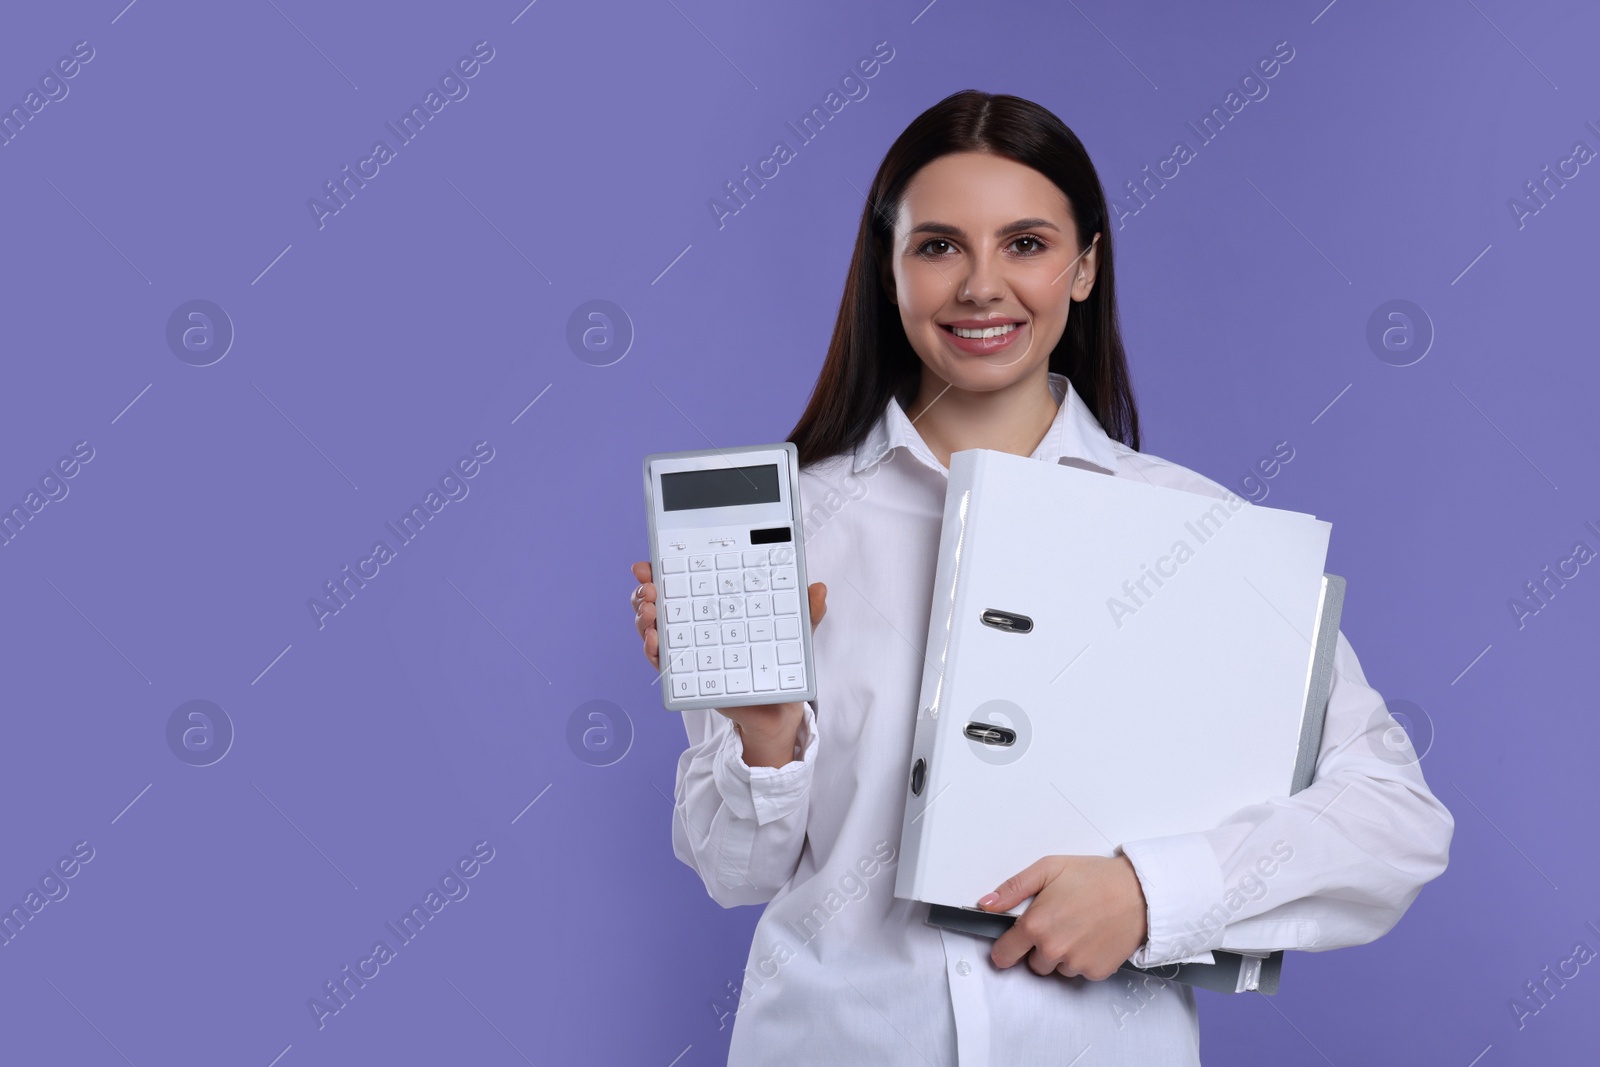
(731, 623)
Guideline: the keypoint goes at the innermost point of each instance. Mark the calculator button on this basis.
(761, 629)
(737, 681)
(736, 657)
(682, 662)
(733, 633)
(755, 581)
(785, 603)
(683, 685)
(702, 585)
(763, 668)
(708, 659)
(680, 636)
(729, 583)
(788, 652)
(705, 609)
(755, 557)
(674, 564)
(783, 577)
(780, 557)
(731, 607)
(675, 585)
(678, 611)
(788, 628)
(707, 634)
(710, 685)
(727, 561)
(789, 678)
(758, 605)
(699, 563)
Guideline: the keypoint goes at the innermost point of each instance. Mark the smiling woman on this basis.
(1000, 293)
(979, 311)
(983, 228)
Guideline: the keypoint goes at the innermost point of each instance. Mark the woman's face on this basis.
(981, 244)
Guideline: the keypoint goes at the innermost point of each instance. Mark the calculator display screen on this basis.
(720, 488)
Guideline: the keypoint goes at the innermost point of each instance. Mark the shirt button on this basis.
(963, 968)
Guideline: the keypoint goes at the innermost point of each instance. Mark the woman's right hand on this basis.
(764, 727)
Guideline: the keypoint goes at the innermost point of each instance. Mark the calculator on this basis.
(732, 615)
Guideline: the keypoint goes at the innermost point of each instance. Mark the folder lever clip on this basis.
(1006, 620)
(990, 734)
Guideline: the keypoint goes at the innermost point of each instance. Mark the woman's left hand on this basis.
(1087, 916)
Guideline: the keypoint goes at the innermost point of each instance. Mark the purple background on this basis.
(433, 710)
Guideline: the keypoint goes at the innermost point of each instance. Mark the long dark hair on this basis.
(869, 359)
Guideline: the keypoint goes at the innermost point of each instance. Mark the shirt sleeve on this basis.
(740, 827)
(1334, 865)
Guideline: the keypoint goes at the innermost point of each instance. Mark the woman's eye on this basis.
(1032, 246)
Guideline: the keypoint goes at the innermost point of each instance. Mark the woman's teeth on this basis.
(992, 331)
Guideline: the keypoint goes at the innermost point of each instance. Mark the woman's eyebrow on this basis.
(945, 229)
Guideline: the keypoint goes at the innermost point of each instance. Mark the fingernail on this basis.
(988, 900)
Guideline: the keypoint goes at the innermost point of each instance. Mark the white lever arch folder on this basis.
(1107, 660)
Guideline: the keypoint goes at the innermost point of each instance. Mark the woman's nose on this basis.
(982, 282)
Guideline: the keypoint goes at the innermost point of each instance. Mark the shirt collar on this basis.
(1075, 434)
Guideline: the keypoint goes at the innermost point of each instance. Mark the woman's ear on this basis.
(1084, 273)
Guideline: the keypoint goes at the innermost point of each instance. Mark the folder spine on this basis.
(939, 650)
(1320, 687)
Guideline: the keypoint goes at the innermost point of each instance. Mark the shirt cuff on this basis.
(1183, 893)
(766, 793)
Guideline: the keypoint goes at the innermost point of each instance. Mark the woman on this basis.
(980, 312)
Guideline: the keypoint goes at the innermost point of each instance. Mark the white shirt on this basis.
(840, 971)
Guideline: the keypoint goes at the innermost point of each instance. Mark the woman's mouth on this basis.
(984, 341)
